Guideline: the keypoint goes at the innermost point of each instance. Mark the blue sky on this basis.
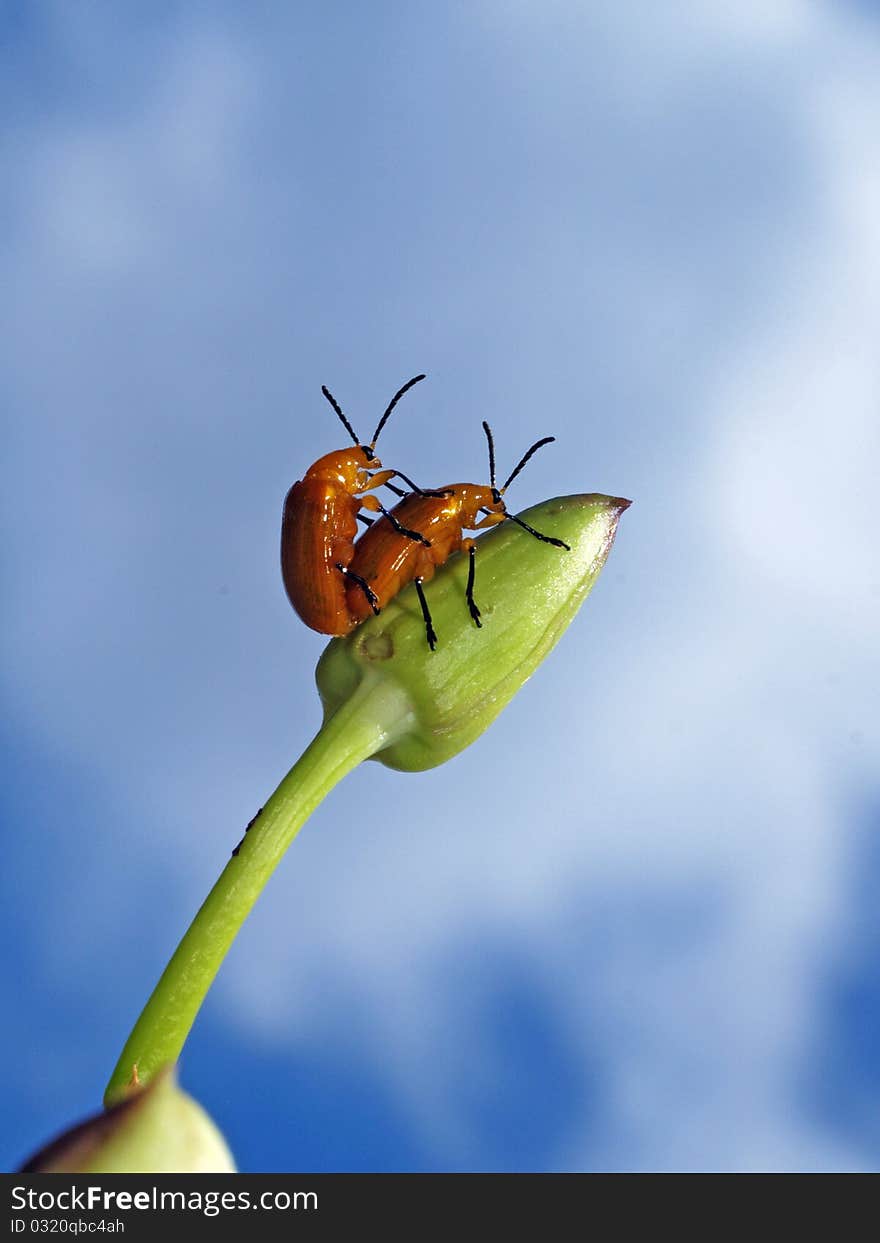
(651, 230)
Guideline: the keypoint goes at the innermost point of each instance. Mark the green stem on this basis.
(376, 715)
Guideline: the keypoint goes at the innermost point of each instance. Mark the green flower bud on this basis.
(156, 1129)
(387, 696)
(528, 592)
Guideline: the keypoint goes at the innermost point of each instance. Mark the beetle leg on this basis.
(378, 478)
(402, 530)
(419, 491)
(375, 506)
(426, 614)
(372, 598)
(469, 590)
(381, 479)
(414, 487)
(491, 520)
(368, 522)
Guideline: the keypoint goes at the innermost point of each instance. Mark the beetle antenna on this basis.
(534, 449)
(392, 403)
(488, 430)
(336, 406)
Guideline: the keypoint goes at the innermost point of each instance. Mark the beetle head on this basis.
(497, 506)
(348, 469)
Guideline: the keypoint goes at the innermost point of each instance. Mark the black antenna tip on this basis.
(392, 403)
(539, 444)
(336, 406)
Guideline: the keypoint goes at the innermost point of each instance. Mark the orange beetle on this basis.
(319, 525)
(422, 532)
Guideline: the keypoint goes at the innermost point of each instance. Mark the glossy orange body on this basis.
(318, 529)
(388, 561)
(319, 524)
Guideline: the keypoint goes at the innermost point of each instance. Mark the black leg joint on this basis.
(414, 487)
(372, 598)
(426, 614)
(471, 602)
(402, 530)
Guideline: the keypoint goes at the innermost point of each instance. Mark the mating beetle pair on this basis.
(333, 582)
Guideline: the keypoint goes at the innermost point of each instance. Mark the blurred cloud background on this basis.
(651, 229)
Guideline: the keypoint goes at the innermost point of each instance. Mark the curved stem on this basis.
(376, 715)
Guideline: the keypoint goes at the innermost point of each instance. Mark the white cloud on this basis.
(705, 760)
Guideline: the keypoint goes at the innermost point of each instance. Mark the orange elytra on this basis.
(319, 525)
